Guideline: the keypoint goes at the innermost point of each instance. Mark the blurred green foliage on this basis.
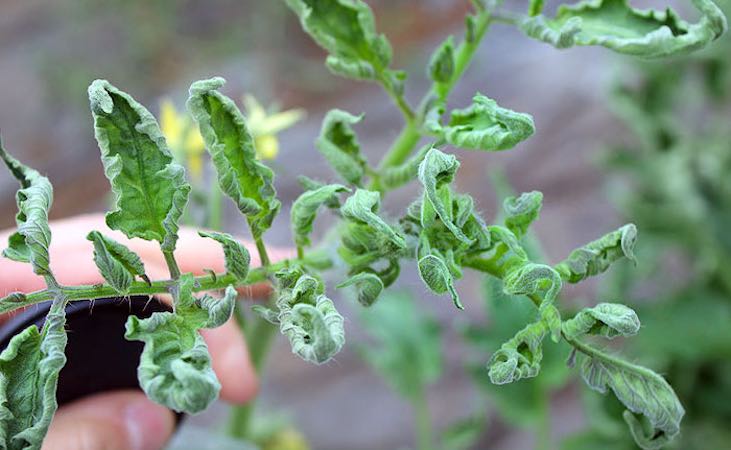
(675, 186)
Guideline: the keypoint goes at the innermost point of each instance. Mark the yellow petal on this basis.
(255, 113)
(194, 141)
(170, 123)
(281, 121)
(267, 146)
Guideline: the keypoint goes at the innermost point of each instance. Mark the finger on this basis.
(121, 420)
(231, 363)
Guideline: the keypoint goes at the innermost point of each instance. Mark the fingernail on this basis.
(148, 425)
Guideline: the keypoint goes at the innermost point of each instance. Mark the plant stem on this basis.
(423, 422)
(317, 259)
(172, 264)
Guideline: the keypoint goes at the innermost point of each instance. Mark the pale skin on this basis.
(127, 420)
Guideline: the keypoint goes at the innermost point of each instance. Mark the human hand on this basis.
(128, 419)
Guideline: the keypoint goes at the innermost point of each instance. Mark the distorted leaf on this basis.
(304, 210)
(117, 264)
(616, 25)
(485, 125)
(149, 187)
(605, 319)
(339, 144)
(362, 207)
(521, 211)
(248, 182)
(236, 257)
(520, 357)
(368, 285)
(596, 257)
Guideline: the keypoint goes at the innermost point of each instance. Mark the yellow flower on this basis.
(264, 127)
(183, 137)
(286, 439)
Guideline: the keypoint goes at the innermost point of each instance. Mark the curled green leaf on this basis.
(362, 207)
(29, 369)
(605, 319)
(441, 64)
(368, 285)
(521, 211)
(307, 318)
(235, 255)
(641, 391)
(485, 125)
(394, 177)
(346, 29)
(537, 279)
(304, 210)
(175, 367)
(117, 264)
(339, 144)
(616, 25)
(308, 184)
(596, 257)
(249, 183)
(436, 172)
(149, 187)
(437, 277)
(520, 357)
(34, 198)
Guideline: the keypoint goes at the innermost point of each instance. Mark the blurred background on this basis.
(582, 101)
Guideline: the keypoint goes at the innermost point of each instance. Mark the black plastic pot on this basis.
(100, 359)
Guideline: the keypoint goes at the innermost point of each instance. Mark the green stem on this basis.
(210, 282)
(423, 422)
(172, 264)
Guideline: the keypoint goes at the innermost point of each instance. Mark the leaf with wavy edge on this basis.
(362, 207)
(346, 29)
(596, 256)
(307, 318)
(249, 183)
(521, 211)
(304, 210)
(641, 391)
(29, 369)
(616, 25)
(537, 280)
(339, 144)
(441, 66)
(605, 319)
(175, 367)
(436, 172)
(149, 187)
(368, 285)
(485, 125)
(520, 357)
(34, 198)
(236, 256)
(117, 264)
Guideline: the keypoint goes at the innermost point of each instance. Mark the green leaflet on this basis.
(362, 208)
(175, 367)
(29, 369)
(339, 144)
(596, 257)
(149, 186)
(346, 29)
(235, 255)
(535, 7)
(304, 210)
(308, 184)
(521, 211)
(245, 180)
(310, 321)
(407, 351)
(605, 319)
(117, 264)
(642, 391)
(520, 357)
(435, 274)
(441, 67)
(616, 25)
(485, 125)
(533, 279)
(436, 172)
(34, 198)
(368, 285)
(394, 177)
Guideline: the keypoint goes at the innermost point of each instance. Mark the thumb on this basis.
(122, 420)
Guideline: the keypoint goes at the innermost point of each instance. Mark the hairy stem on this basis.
(211, 282)
(172, 264)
